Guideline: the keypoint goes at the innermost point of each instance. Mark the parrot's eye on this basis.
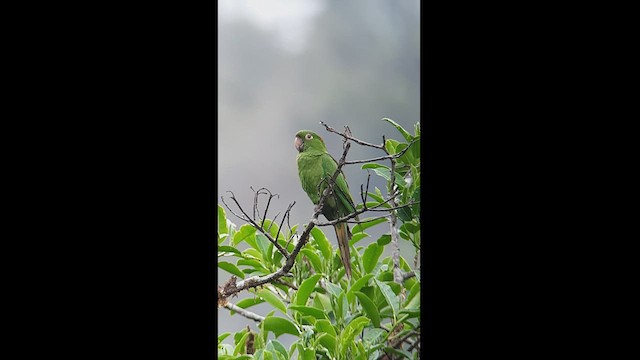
(308, 137)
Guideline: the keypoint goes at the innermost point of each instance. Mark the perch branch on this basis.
(231, 287)
(349, 137)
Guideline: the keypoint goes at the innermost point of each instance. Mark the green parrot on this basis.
(315, 164)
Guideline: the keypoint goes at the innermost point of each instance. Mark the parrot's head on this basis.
(308, 140)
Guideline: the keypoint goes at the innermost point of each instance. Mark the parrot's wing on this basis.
(330, 166)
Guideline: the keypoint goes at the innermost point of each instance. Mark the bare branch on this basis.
(351, 216)
(363, 210)
(394, 208)
(260, 228)
(280, 281)
(408, 275)
(386, 157)
(246, 313)
(349, 137)
(415, 344)
(286, 213)
(393, 192)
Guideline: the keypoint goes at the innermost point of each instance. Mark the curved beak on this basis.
(298, 144)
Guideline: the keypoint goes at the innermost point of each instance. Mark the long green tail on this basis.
(344, 235)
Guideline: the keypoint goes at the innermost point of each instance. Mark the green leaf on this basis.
(357, 285)
(263, 246)
(410, 227)
(328, 341)
(307, 310)
(238, 336)
(414, 302)
(389, 296)
(402, 131)
(350, 331)
(342, 306)
(415, 151)
(365, 225)
(401, 352)
(324, 301)
(229, 267)
(222, 221)
(252, 253)
(386, 174)
(385, 276)
(334, 289)
(245, 231)
(395, 287)
(228, 249)
(267, 355)
(247, 302)
(390, 145)
(378, 197)
(373, 335)
(253, 263)
(288, 246)
(240, 348)
(370, 257)
(357, 237)
(374, 166)
(277, 347)
(370, 308)
(223, 336)
(272, 299)
(322, 243)
(280, 326)
(415, 289)
(277, 258)
(316, 263)
(412, 313)
(325, 326)
(308, 354)
(384, 240)
(272, 227)
(305, 289)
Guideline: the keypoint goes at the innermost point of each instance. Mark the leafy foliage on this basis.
(331, 316)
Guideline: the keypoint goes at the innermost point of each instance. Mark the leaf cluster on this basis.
(331, 316)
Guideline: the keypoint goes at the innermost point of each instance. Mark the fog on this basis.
(286, 65)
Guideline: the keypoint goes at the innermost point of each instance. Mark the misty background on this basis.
(286, 65)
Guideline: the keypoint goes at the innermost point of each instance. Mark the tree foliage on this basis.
(373, 315)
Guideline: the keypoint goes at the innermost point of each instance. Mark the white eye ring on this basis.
(309, 137)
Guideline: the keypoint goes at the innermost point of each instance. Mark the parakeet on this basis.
(315, 164)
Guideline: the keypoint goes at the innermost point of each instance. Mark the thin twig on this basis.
(260, 228)
(280, 281)
(246, 313)
(364, 209)
(416, 343)
(386, 157)
(358, 141)
(333, 222)
(396, 207)
(408, 275)
(393, 192)
(284, 217)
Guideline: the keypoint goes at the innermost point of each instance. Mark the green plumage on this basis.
(315, 168)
